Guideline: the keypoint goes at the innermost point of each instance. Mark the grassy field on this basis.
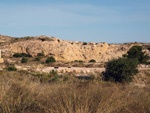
(23, 92)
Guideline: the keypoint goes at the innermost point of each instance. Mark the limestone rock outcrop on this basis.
(66, 50)
(1, 60)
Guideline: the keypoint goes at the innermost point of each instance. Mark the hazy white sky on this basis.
(112, 21)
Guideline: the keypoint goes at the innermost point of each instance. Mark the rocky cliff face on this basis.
(65, 50)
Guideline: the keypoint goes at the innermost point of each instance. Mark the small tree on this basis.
(136, 52)
(24, 60)
(92, 60)
(121, 69)
(50, 60)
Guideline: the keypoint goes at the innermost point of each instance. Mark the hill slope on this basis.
(64, 50)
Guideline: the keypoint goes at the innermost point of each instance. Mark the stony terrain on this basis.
(64, 50)
(68, 85)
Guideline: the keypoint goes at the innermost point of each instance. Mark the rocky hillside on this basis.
(65, 50)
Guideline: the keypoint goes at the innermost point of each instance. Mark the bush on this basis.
(50, 60)
(21, 55)
(42, 39)
(12, 68)
(92, 60)
(136, 52)
(121, 70)
(28, 55)
(80, 61)
(17, 55)
(40, 54)
(84, 43)
(24, 60)
(37, 58)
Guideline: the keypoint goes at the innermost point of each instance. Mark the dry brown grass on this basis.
(23, 93)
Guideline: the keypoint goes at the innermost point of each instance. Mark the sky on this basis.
(111, 21)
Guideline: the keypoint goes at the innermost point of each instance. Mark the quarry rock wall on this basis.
(67, 50)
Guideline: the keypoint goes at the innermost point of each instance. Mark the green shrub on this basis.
(21, 55)
(121, 70)
(41, 54)
(46, 39)
(12, 68)
(50, 60)
(84, 43)
(136, 52)
(42, 39)
(92, 60)
(80, 61)
(24, 60)
(17, 55)
(28, 55)
(37, 58)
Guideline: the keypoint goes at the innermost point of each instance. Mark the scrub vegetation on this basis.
(24, 92)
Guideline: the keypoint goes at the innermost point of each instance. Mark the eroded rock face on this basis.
(67, 50)
(1, 60)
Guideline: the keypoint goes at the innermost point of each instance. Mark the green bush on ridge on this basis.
(21, 55)
(17, 55)
(92, 60)
(50, 60)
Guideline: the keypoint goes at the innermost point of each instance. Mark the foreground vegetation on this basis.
(23, 92)
(123, 69)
